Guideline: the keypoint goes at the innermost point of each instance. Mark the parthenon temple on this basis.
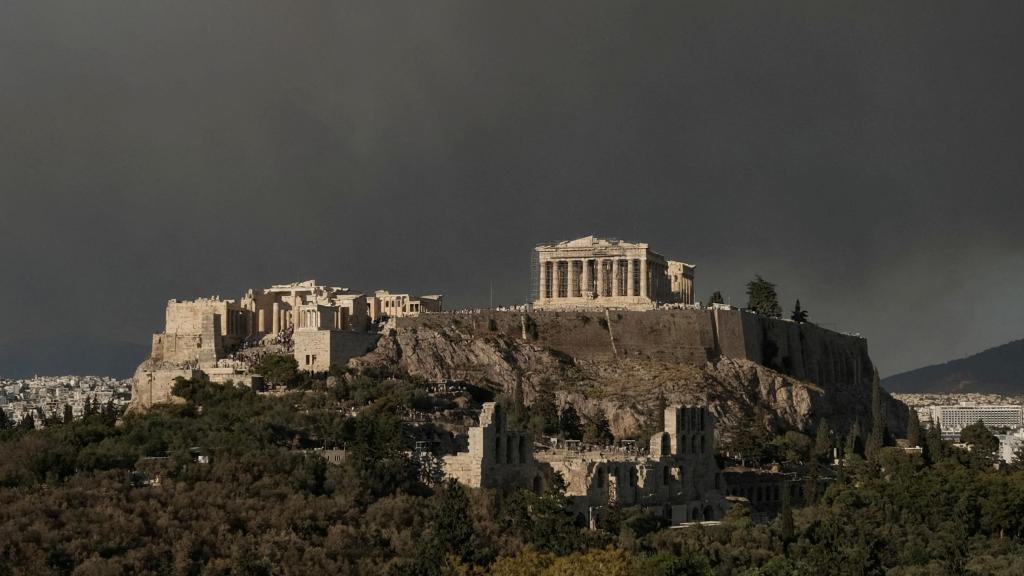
(595, 272)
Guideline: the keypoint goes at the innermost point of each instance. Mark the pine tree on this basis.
(569, 423)
(454, 521)
(597, 429)
(762, 298)
(716, 298)
(913, 429)
(544, 413)
(799, 314)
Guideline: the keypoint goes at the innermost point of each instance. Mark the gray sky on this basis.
(866, 156)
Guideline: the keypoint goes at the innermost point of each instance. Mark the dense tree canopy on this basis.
(230, 482)
(761, 298)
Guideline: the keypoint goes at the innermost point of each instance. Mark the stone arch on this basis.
(709, 513)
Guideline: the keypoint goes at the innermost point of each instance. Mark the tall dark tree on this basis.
(877, 438)
(569, 423)
(913, 429)
(799, 314)
(716, 298)
(597, 430)
(544, 413)
(786, 526)
(854, 441)
(69, 414)
(823, 440)
(933, 445)
(518, 415)
(5, 422)
(762, 298)
(454, 522)
(28, 422)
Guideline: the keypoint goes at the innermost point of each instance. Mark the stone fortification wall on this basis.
(684, 336)
(688, 336)
(318, 350)
(200, 348)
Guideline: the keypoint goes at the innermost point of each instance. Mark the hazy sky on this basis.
(866, 156)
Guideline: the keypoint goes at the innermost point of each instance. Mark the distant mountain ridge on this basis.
(998, 370)
(69, 354)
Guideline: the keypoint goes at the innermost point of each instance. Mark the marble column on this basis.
(643, 278)
(275, 318)
(586, 278)
(631, 270)
(599, 264)
(542, 294)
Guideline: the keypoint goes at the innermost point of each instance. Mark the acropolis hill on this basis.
(612, 324)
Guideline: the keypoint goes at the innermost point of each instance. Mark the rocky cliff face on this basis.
(628, 387)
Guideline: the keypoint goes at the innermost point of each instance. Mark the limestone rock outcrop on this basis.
(493, 352)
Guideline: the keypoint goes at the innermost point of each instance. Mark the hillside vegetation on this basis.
(238, 493)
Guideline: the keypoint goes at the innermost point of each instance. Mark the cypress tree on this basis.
(913, 429)
(822, 440)
(799, 314)
(69, 414)
(786, 527)
(877, 438)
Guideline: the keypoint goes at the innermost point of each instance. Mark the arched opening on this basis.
(666, 475)
(694, 446)
(666, 444)
(709, 513)
(695, 514)
(701, 443)
(523, 453)
(599, 481)
(538, 485)
(510, 449)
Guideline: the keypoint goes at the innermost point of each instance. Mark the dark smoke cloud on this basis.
(865, 156)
